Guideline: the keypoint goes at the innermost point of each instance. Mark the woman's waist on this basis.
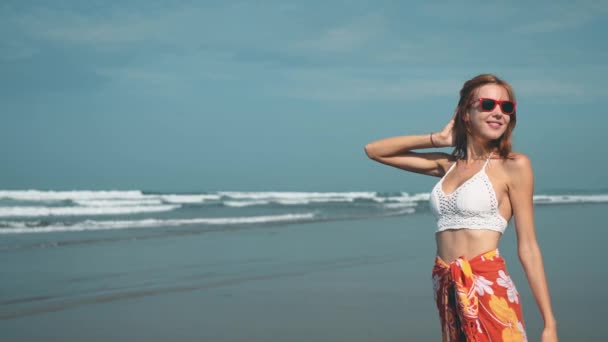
(466, 243)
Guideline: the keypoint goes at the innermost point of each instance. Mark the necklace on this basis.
(468, 164)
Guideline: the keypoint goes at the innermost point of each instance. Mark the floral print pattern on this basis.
(483, 285)
(505, 281)
(477, 300)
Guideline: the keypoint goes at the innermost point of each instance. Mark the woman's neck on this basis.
(478, 153)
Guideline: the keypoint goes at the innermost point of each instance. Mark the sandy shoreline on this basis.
(331, 281)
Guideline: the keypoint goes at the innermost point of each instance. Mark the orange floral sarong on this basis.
(477, 300)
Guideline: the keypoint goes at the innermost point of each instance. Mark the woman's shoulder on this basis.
(517, 163)
(516, 158)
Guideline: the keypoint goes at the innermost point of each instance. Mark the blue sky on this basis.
(279, 95)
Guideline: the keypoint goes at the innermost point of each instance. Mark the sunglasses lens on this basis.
(487, 104)
(507, 107)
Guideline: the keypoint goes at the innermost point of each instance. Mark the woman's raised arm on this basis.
(397, 151)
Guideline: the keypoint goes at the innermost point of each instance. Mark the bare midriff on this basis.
(454, 243)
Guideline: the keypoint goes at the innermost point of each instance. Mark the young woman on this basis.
(483, 184)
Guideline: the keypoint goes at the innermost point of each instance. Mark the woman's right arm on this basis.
(397, 151)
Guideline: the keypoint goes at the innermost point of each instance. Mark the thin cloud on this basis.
(565, 16)
(350, 85)
(571, 19)
(344, 55)
(345, 85)
(356, 34)
(113, 28)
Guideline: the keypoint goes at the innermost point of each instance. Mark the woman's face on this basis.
(489, 125)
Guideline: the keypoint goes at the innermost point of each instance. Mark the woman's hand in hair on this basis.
(445, 138)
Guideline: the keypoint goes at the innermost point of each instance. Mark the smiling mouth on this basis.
(494, 124)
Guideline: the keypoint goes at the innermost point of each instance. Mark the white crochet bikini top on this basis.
(473, 205)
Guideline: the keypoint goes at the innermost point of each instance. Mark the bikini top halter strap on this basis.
(484, 165)
(487, 160)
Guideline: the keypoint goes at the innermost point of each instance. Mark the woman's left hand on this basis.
(549, 335)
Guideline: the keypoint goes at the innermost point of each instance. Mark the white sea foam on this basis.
(79, 211)
(303, 198)
(15, 227)
(84, 196)
(559, 199)
(270, 195)
(244, 203)
(399, 205)
(118, 202)
(243, 199)
(38, 195)
(401, 212)
(230, 198)
(402, 197)
(136, 198)
(189, 198)
(424, 196)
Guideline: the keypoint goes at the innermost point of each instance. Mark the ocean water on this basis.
(265, 265)
(32, 211)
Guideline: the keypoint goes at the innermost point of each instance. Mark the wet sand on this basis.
(332, 281)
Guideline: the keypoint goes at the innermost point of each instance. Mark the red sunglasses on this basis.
(488, 105)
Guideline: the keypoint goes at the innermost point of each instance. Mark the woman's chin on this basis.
(492, 136)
